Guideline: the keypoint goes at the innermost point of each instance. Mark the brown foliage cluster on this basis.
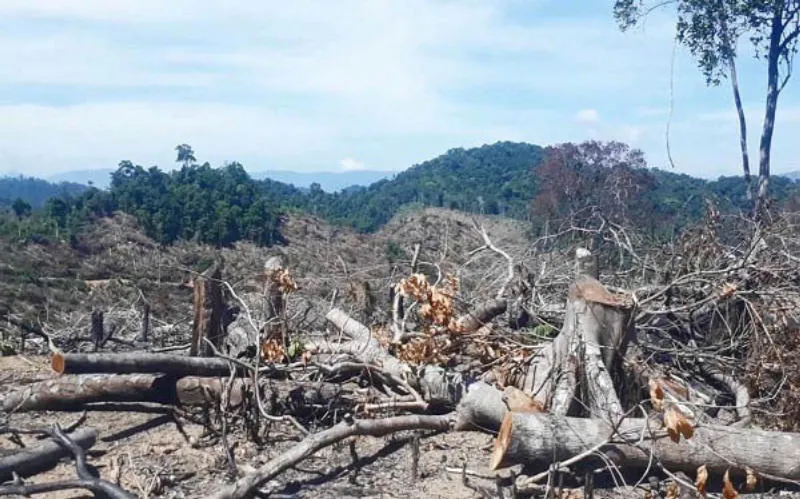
(283, 279)
(436, 309)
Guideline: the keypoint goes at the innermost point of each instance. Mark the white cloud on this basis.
(300, 84)
(588, 116)
(350, 164)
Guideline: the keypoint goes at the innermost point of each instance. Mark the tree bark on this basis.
(541, 439)
(38, 458)
(208, 312)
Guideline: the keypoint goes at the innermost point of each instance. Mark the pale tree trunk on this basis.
(737, 99)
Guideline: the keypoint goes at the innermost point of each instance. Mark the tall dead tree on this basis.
(208, 312)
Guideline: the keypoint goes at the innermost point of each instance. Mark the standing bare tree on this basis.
(710, 30)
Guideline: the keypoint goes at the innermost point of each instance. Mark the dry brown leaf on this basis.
(677, 424)
(728, 491)
(752, 479)
(673, 492)
(656, 395)
(701, 480)
(728, 289)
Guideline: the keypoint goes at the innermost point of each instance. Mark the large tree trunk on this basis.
(539, 440)
(596, 331)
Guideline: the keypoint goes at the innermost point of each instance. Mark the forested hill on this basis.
(495, 179)
(521, 180)
(224, 205)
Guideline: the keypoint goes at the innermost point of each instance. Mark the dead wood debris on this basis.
(640, 358)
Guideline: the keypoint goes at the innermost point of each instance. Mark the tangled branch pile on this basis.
(597, 354)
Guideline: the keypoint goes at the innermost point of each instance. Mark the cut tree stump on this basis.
(596, 331)
(208, 312)
(38, 458)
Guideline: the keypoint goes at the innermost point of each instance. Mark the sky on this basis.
(358, 84)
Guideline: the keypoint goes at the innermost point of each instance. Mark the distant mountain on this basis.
(795, 175)
(99, 178)
(328, 181)
(35, 191)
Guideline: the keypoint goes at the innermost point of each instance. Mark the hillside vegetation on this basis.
(526, 182)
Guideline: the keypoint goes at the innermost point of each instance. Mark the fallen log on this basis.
(38, 458)
(538, 440)
(74, 392)
(139, 363)
(369, 348)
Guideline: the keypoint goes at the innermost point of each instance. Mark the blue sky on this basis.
(377, 84)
